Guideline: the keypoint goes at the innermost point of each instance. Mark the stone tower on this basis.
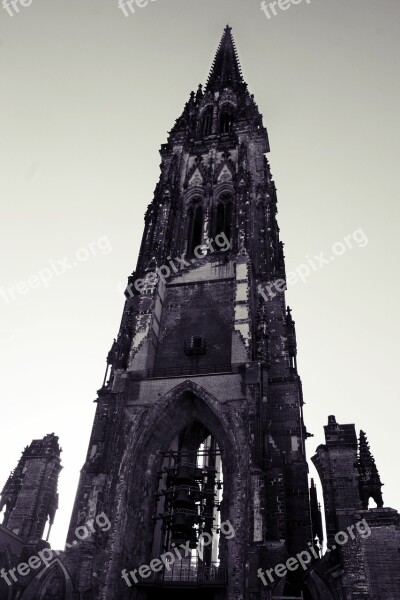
(198, 440)
(365, 565)
(336, 463)
(30, 495)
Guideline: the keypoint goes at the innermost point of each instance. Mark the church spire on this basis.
(225, 70)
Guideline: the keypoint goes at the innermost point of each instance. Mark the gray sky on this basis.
(88, 97)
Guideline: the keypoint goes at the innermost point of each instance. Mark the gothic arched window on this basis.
(54, 586)
(206, 122)
(227, 119)
(223, 217)
(195, 226)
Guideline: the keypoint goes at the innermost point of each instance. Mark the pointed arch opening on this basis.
(224, 216)
(54, 589)
(54, 585)
(194, 226)
(206, 122)
(227, 119)
(51, 583)
(190, 415)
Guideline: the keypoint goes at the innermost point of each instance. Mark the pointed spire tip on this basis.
(225, 70)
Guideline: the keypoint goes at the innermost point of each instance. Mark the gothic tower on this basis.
(198, 441)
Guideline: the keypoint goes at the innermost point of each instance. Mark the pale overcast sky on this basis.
(88, 96)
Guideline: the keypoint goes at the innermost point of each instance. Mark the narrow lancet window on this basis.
(227, 119)
(206, 122)
(223, 221)
(195, 227)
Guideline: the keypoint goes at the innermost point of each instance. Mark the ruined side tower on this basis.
(200, 418)
(366, 564)
(30, 494)
(336, 463)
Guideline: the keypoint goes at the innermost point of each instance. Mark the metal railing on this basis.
(189, 370)
(187, 572)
